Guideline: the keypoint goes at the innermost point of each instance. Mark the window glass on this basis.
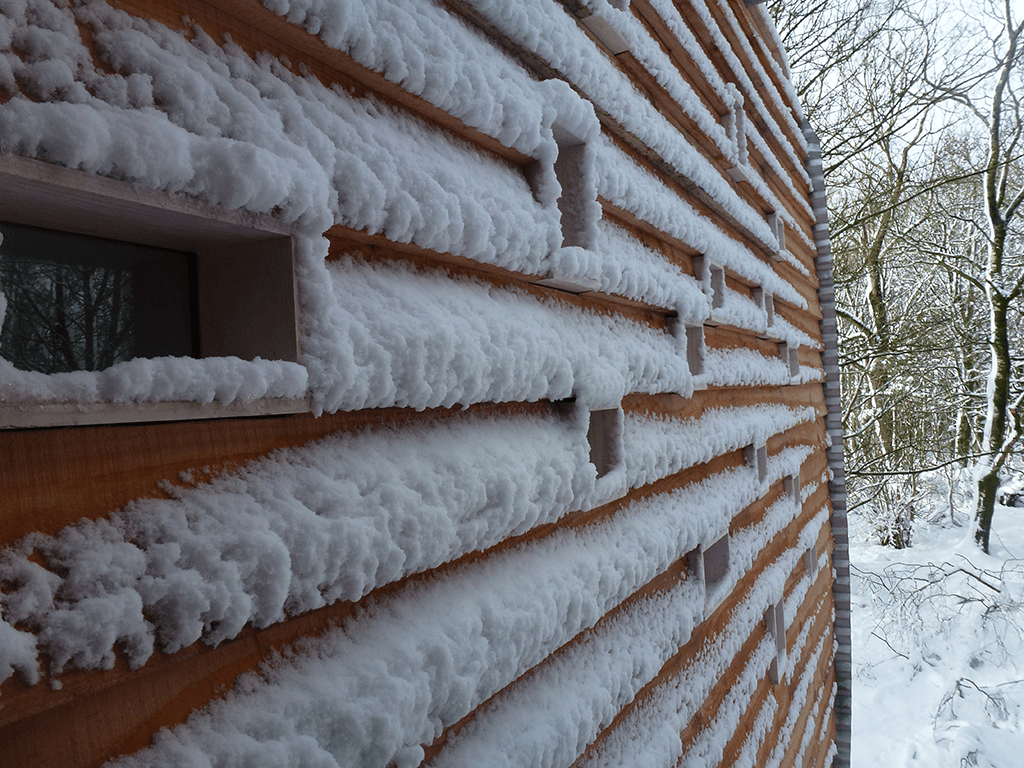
(78, 303)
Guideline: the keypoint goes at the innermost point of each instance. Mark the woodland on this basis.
(918, 107)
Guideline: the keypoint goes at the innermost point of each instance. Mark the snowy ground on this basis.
(938, 652)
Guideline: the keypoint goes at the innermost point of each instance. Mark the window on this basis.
(578, 208)
(757, 459)
(766, 301)
(717, 286)
(604, 436)
(710, 564)
(97, 272)
(696, 351)
(811, 559)
(715, 568)
(735, 123)
(775, 619)
(80, 303)
(792, 486)
(576, 202)
(791, 358)
(778, 227)
(711, 276)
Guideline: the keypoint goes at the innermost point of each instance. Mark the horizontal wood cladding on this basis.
(682, 254)
(734, 44)
(345, 241)
(715, 625)
(807, 613)
(647, 85)
(53, 477)
(724, 338)
(655, 25)
(671, 246)
(643, 154)
(660, 31)
(256, 29)
(821, 629)
(683, 187)
(803, 320)
(169, 687)
(662, 583)
(674, 405)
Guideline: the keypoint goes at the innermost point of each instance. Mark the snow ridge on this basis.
(332, 520)
(650, 735)
(375, 690)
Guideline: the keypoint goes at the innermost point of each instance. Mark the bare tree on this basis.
(1003, 277)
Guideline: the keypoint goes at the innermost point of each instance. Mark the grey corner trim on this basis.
(833, 423)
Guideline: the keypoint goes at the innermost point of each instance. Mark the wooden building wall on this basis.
(53, 477)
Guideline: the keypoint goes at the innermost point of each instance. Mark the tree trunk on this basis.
(995, 418)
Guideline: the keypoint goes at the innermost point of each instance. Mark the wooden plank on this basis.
(168, 688)
(820, 590)
(97, 715)
(648, 85)
(754, 513)
(672, 251)
(799, 319)
(624, 218)
(642, 153)
(676, 406)
(256, 29)
(804, 252)
(722, 337)
(784, 692)
(810, 358)
(823, 672)
(752, 25)
(821, 757)
(377, 248)
(711, 706)
(660, 32)
(731, 751)
(700, 200)
(805, 286)
(782, 191)
(54, 477)
(783, 125)
(643, 10)
(739, 284)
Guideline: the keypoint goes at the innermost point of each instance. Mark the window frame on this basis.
(39, 194)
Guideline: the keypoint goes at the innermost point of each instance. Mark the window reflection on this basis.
(77, 303)
(65, 317)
